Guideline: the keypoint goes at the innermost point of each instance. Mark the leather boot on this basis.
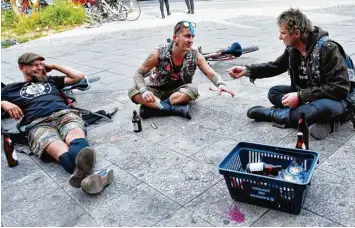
(176, 110)
(279, 116)
(146, 112)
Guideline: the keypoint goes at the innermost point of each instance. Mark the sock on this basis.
(67, 163)
(76, 146)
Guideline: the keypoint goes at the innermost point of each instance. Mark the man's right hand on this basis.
(237, 71)
(148, 97)
(14, 111)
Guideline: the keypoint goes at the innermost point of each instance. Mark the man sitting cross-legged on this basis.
(319, 78)
(53, 128)
(170, 87)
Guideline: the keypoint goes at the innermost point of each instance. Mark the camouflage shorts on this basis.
(55, 127)
(188, 89)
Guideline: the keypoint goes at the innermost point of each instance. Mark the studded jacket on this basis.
(166, 76)
(330, 81)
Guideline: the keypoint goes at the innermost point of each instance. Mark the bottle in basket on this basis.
(303, 127)
(10, 152)
(262, 168)
(136, 121)
(300, 143)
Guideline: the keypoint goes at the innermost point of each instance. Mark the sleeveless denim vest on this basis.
(165, 76)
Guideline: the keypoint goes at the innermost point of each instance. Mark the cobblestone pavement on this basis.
(169, 176)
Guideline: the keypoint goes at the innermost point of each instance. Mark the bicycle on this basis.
(116, 10)
(230, 53)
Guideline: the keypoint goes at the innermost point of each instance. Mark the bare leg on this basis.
(138, 98)
(57, 148)
(74, 134)
(179, 98)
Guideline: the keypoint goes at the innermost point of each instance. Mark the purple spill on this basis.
(236, 215)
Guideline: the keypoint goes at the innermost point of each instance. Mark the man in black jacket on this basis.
(318, 87)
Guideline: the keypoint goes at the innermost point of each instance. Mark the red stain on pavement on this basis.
(236, 215)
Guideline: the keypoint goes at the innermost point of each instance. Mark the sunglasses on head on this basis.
(185, 24)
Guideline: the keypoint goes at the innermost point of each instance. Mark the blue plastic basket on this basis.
(262, 190)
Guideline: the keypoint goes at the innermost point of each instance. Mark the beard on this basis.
(39, 79)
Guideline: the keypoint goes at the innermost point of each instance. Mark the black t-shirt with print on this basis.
(36, 99)
(302, 73)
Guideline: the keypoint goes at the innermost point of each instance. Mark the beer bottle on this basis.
(10, 152)
(303, 127)
(300, 143)
(136, 121)
(262, 168)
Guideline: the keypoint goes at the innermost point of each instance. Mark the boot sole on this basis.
(85, 162)
(96, 185)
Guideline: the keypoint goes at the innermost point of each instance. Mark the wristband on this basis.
(217, 80)
(143, 90)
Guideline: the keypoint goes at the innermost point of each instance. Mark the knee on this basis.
(74, 134)
(272, 92)
(178, 98)
(133, 93)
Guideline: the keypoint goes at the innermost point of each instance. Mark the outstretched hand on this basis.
(237, 71)
(223, 88)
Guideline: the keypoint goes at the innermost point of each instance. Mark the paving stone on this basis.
(305, 219)
(332, 197)
(55, 209)
(341, 163)
(142, 206)
(190, 140)
(182, 218)
(183, 182)
(351, 141)
(165, 128)
(108, 77)
(260, 132)
(88, 70)
(345, 132)
(142, 162)
(25, 167)
(122, 183)
(28, 189)
(83, 221)
(218, 208)
(215, 153)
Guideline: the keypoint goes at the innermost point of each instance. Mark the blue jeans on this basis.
(318, 111)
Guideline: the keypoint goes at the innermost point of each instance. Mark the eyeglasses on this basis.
(185, 24)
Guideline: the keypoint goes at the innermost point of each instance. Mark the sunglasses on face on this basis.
(185, 24)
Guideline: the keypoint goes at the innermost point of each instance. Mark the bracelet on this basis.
(143, 90)
(220, 83)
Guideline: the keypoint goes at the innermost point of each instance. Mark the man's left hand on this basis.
(290, 100)
(223, 88)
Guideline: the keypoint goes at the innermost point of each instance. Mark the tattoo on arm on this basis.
(142, 72)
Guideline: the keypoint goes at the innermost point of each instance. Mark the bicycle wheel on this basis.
(121, 14)
(132, 9)
(94, 14)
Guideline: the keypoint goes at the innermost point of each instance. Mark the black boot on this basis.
(176, 110)
(146, 112)
(279, 116)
